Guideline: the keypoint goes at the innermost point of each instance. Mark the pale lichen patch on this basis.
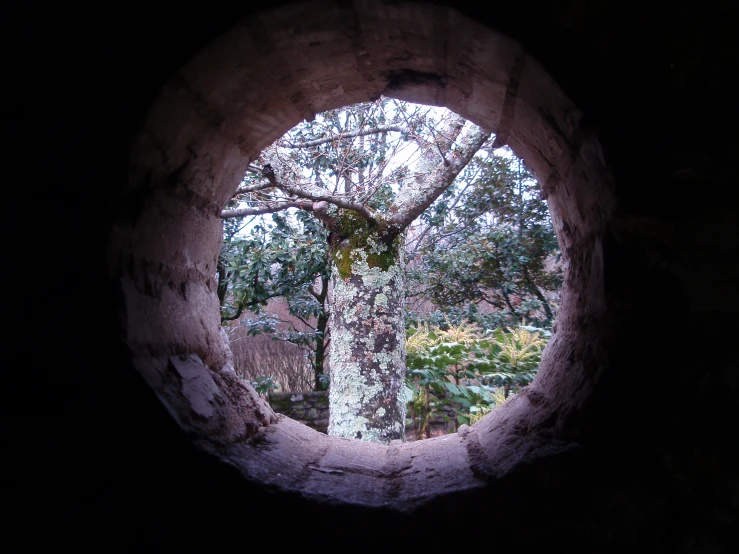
(367, 355)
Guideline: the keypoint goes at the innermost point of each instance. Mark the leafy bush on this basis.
(264, 384)
(467, 368)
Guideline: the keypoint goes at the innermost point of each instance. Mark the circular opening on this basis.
(480, 282)
(242, 93)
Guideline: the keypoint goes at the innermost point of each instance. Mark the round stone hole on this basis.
(243, 92)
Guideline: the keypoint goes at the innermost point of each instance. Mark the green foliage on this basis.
(490, 241)
(468, 368)
(324, 381)
(264, 384)
(516, 355)
(281, 259)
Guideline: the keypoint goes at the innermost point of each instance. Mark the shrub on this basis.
(468, 368)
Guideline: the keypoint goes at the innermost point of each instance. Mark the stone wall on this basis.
(309, 408)
(312, 409)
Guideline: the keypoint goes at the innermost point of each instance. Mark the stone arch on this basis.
(245, 90)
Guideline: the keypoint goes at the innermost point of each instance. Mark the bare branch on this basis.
(270, 208)
(309, 325)
(321, 195)
(254, 169)
(252, 188)
(340, 136)
(413, 200)
(305, 201)
(419, 239)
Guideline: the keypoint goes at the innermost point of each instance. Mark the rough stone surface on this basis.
(140, 122)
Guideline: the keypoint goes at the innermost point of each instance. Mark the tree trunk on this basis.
(321, 342)
(535, 290)
(367, 351)
(428, 414)
(222, 287)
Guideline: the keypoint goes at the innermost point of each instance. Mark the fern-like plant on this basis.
(467, 368)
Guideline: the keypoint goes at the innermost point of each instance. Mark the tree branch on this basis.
(310, 326)
(534, 289)
(321, 196)
(267, 209)
(413, 200)
(252, 188)
(361, 133)
(254, 169)
(493, 303)
(313, 293)
(317, 195)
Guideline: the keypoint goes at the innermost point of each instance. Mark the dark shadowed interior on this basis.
(626, 438)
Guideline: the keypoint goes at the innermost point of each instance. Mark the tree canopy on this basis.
(488, 240)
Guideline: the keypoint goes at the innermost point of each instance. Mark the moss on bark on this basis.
(374, 238)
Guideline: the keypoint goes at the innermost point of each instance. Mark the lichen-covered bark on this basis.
(366, 355)
(439, 166)
(367, 352)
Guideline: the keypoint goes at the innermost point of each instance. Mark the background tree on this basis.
(488, 241)
(284, 258)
